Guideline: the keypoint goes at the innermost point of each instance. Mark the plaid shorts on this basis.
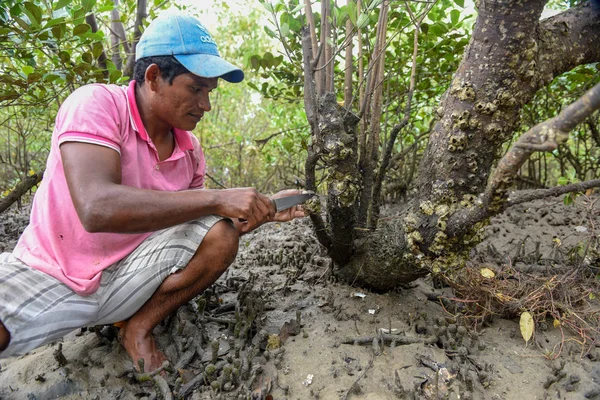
(37, 308)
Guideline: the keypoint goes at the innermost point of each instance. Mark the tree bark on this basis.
(512, 54)
(91, 21)
(140, 16)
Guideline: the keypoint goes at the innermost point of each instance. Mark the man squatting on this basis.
(118, 229)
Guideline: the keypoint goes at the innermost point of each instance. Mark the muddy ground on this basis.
(278, 323)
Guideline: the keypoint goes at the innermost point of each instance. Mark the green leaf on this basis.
(87, 57)
(27, 70)
(80, 29)
(255, 62)
(362, 20)
(460, 3)
(97, 49)
(22, 23)
(88, 5)
(568, 200)
(64, 56)
(438, 29)
(58, 31)
(270, 32)
(33, 12)
(104, 8)
(61, 4)
(373, 5)
(563, 181)
(53, 22)
(298, 8)
(285, 30)
(115, 75)
(454, 16)
(33, 77)
(16, 10)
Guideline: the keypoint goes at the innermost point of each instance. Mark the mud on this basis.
(278, 324)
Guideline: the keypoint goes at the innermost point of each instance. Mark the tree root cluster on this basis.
(462, 374)
(562, 301)
(229, 366)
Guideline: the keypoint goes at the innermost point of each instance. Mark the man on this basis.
(121, 229)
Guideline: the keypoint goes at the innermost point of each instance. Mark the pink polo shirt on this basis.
(55, 241)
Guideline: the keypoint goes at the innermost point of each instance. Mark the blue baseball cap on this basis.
(186, 39)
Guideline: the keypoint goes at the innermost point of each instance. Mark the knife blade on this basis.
(283, 203)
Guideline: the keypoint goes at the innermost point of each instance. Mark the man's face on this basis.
(183, 103)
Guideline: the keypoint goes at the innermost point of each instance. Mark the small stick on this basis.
(385, 338)
(345, 396)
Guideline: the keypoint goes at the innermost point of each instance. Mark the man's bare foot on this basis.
(141, 345)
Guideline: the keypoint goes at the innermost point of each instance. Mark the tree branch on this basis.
(262, 142)
(398, 127)
(567, 40)
(310, 108)
(23, 187)
(523, 196)
(91, 21)
(140, 16)
(548, 134)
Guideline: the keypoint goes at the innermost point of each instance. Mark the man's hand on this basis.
(247, 206)
(290, 213)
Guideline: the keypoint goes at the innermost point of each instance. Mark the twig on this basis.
(190, 386)
(262, 142)
(399, 340)
(353, 386)
(524, 196)
(215, 181)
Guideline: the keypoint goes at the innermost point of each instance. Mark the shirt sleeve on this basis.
(198, 179)
(90, 115)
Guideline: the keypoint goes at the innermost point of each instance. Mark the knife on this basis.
(283, 203)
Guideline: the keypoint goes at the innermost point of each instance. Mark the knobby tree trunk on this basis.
(511, 55)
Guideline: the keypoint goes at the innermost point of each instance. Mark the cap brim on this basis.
(209, 66)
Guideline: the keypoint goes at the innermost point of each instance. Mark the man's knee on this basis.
(223, 238)
(4, 337)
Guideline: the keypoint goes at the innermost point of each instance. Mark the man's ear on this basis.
(152, 76)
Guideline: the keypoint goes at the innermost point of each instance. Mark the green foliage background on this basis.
(257, 134)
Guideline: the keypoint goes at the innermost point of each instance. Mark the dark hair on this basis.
(168, 65)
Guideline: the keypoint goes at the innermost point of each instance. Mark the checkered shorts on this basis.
(37, 308)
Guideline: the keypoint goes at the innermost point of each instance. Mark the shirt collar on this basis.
(181, 137)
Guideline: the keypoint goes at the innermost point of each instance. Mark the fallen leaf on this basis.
(291, 328)
(487, 273)
(503, 298)
(526, 324)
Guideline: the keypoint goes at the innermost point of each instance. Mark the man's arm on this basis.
(103, 204)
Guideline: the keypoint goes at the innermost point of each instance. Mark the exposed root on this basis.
(565, 301)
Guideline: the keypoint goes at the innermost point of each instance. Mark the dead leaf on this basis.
(487, 273)
(503, 298)
(291, 328)
(527, 326)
